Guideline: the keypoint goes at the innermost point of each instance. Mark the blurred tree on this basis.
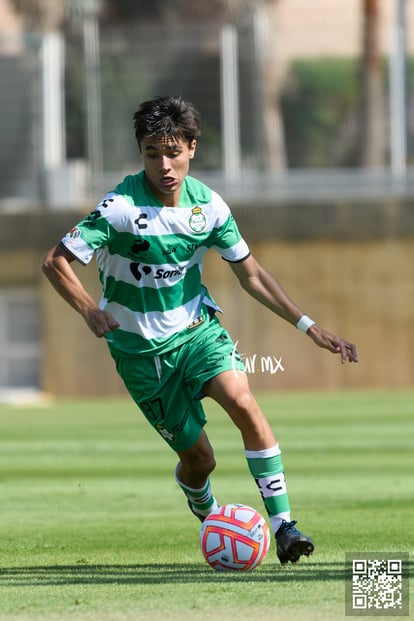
(173, 10)
(373, 131)
(320, 113)
(272, 73)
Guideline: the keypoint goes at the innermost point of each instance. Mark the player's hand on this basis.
(101, 322)
(334, 343)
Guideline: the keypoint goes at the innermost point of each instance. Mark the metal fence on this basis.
(67, 101)
(20, 102)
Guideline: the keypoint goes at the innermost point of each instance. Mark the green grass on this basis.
(93, 526)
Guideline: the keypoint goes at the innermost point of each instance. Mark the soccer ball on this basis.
(234, 538)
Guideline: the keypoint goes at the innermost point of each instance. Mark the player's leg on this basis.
(192, 475)
(172, 411)
(231, 390)
(196, 463)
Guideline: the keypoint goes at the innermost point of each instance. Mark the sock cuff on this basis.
(186, 487)
(273, 451)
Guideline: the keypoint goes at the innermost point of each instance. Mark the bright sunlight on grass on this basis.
(93, 526)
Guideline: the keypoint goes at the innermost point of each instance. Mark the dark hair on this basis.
(167, 116)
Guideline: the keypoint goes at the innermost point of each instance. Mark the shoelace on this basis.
(287, 526)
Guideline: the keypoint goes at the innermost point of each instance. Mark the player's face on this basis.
(166, 163)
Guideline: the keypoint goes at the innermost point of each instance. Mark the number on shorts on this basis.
(153, 410)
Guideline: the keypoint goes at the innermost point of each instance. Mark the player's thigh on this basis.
(231, 390)
(233, 393)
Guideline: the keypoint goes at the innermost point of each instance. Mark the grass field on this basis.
(94, 528)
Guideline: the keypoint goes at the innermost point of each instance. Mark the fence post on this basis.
(93, 90)
(398, 116)
(53, 124)
(230, 115)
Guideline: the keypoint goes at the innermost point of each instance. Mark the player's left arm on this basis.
(262, 286)
(58, 269)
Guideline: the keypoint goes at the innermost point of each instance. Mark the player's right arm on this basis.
(57, 268)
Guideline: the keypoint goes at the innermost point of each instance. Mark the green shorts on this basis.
(168, 388)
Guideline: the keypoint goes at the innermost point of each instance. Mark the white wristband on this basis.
(305, 323)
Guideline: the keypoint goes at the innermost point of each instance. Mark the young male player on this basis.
(150, 235)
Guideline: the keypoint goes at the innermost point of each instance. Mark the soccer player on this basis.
(150, 235)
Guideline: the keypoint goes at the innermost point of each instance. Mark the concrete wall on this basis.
(350, 267)
(362, 291)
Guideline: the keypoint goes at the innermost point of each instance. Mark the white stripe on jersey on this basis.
(163, 220)
(153, 324)
(119, 268)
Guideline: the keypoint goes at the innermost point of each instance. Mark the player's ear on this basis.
(192, 147)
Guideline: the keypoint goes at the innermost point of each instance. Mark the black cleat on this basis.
(292, 544)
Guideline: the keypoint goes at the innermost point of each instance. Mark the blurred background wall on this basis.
(307, 132)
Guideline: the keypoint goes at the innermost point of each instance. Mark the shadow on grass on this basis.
(164, 573)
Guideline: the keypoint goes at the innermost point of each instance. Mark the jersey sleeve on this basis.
(94, 231)
(228, 241)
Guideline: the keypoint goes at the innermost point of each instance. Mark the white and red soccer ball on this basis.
(235, 538)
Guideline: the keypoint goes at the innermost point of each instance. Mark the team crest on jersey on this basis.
(197, 220)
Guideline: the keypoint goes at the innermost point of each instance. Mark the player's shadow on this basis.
(50, 575)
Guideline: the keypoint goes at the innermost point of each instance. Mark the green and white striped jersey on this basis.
(150, 260)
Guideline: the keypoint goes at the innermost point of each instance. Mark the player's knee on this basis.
(244, 404)
(247, 416)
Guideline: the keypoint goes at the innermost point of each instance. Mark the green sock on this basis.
(267, 469)
(202, 499)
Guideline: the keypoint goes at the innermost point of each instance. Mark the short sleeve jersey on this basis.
(150, 260)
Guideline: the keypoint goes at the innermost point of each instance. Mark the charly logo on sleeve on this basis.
(197, 220)
(74, 233)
